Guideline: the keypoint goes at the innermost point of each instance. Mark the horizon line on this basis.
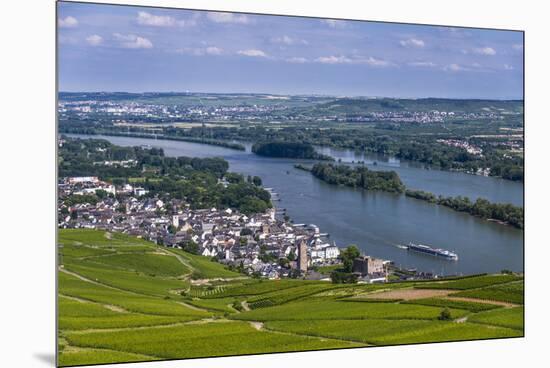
(305, 95)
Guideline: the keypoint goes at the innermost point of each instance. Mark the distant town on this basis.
(253, 108)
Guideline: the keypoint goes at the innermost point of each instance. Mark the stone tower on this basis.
(302, 256)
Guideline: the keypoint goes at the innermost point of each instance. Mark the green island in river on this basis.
(389, 181)
(288, 150)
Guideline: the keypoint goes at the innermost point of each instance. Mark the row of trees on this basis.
(482, 208)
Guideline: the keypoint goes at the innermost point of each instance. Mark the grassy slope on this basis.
(510, 317)
(471, 282)
(388, 332)
(508, 293)
(122, 303)
(331, 309)
(118, 283)
(204, 267)
(200, 340)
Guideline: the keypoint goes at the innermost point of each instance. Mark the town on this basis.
(258, 245)
(254, 108)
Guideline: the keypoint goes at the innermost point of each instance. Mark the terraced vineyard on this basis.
(124, 299)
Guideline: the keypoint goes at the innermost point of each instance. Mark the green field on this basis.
(509, 317)
(125, 299)
(506, 293)
(332, 309)
(219, 304)
(204, 267)
(200, 340)
(457, 304)
(471, 282)
(150, 264)
(388, 332)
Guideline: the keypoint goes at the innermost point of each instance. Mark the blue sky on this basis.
(134, 49)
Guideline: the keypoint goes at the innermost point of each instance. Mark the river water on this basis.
(377, 221)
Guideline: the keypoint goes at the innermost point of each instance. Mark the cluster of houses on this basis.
(259, 244)
(84, 185)
(468, 147)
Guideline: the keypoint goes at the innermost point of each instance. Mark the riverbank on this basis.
(378, 221)
(225, 140)
(212, 142)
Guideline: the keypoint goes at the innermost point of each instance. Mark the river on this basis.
(377, 221)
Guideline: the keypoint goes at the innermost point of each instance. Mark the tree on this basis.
(294, 274)
(283, 262)
(445, 315)
(257, 181)
(190, 246)
(291, 256)
(347, 256)
(343, 277)
(100, 193)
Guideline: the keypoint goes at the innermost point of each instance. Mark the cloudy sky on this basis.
(116, 48)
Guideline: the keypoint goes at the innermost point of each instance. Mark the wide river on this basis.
(377, 221)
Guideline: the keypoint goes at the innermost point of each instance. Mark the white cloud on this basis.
(297, 60)
(252, 53)
(333, 23)
(517, 46)
(201, 51)
(423, 64)
(412, 42)
(356, 60)
(375, 62)
(148, 19)
(212, 50)
(334, 59)
(508, 67)
(286, 40)
(68, 22)
(489, 51)
(132, 41)
(228, 18)
(94, 40)
(455, 68)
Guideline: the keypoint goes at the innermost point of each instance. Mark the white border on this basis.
(28, 181)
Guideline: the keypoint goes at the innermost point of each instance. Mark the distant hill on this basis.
(363, 105)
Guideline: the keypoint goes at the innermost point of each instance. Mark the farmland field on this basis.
(472, 282)
(388, 332)
(506, 293)
(126, 299)
(509, 317)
